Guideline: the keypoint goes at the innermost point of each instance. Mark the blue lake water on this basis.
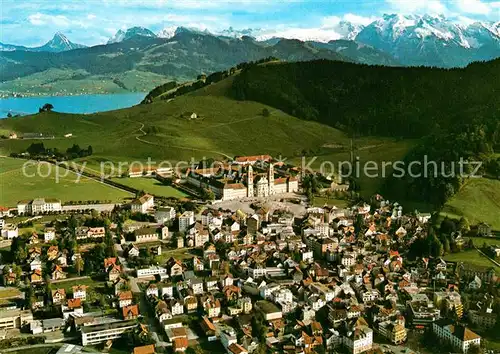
(69, 104)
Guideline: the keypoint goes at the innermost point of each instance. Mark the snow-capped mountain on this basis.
(121, 35)
(432, 40)
(167, 32)
(235, 33)
(348, 30)
(58, 43)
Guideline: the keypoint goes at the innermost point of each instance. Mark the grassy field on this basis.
(479, 241)
(153, 186)
(478, 200)
(473, 258)
(17, 185)
(6, 293)
(322, 201)
(225, 128)
(69, 283)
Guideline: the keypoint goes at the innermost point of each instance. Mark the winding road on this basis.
(139, 138)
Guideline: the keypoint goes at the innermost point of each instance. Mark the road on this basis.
(152, 323)
(53, 345)
(490, 259)
(69, 279)
(143, 133)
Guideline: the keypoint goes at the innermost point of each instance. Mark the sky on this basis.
(92, 22)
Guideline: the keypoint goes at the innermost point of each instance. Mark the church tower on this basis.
(250, 182)
(270, 178)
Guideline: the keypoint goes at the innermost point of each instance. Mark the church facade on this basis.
(228, 183)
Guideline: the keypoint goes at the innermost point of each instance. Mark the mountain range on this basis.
(138, 59)
(411, 40)
(58, 43)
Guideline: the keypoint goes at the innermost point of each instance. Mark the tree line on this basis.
(40, 151)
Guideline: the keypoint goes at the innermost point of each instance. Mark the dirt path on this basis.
(139, 138)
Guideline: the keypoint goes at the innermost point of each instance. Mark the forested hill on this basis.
(368, 100)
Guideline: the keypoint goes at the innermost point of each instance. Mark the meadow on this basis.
(152, 186)
(473, 258)
(17, 185)
(478, 201)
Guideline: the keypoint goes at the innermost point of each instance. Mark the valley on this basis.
(250, 177)
(226, 127)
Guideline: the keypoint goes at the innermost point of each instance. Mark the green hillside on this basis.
(223, 127)
(383, 101)
(478, 201)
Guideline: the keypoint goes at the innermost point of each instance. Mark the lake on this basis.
(70, 104)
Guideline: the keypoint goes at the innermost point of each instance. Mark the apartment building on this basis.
(15, 318)
(98, 333)
(38, 205)
(457, 335)
(186, 220)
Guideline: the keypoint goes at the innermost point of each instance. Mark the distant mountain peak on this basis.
(58, 43)
(167, 32)
(182, 29)
(432, 39)
(131, 32)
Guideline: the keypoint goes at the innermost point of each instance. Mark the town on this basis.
(153, 276)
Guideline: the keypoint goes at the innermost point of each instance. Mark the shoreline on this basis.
(77, 94)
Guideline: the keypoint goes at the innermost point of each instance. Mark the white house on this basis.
(79, 292)
(36, 264)
(165, 214)
(49, 234)
(142, 204)
(152, 290)
(10, 231)
(39, 205)
(176, 307)
(457, 335)
(153, 270)
(359, 340)
(124, 299)
(167, 290)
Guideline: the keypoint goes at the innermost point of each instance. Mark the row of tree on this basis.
(40, 151)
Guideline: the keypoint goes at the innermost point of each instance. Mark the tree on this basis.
(20, 255)
(464, 225)
(79, 264)
(46, 108)
(474, 349)
(359, 223)
(448, 226)
(446, 246)
(9, 115)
